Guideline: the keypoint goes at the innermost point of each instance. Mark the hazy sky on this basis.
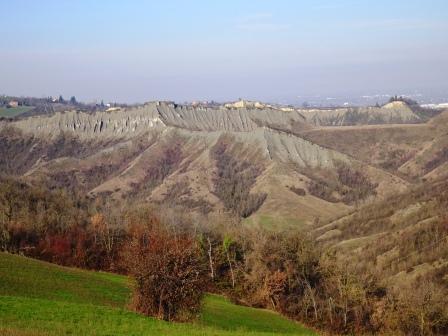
(278, 50)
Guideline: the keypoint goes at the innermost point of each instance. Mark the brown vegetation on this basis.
(173, 260)
(179, 194)
(286, 273)
(298, 191)
(440, 157)
(168, 271)
(234, 180)
(53, 226)
(347, 184)
(165, 159)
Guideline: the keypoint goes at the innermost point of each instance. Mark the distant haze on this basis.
(281, 51)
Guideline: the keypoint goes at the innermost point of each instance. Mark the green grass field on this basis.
(14, 111)
(38, 298)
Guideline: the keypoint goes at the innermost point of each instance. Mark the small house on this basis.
(12, 103)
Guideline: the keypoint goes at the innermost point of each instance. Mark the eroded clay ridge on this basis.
(391, 113)
(225, 119)
(158, 116)
(121, 123)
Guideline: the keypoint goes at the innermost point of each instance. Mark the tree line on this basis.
(174, 259)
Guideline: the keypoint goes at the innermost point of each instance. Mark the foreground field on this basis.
(38, 298)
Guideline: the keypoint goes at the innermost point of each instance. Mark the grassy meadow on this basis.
(38, 298)
(14, 111)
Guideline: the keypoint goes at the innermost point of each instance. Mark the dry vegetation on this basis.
(165, 158)
(180, 194)
(381, 269)
(344, 184)
(234, 180)
(298, 191)
(168, 270)
(402, 241)
(173, 259)
(19, 151)
(440, 157)
(384, 147)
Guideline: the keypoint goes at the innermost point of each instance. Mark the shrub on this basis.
(322, 190)
(168, 271)
(298, 191)
(360, 185)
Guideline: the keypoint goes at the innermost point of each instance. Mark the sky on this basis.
(278, 51)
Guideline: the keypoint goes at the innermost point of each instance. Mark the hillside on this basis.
(300, 168)
(401, 240)
(38, 298)
(365, 203)
(412, 151)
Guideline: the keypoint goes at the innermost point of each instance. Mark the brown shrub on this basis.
(322, 190)
(168, 271)
(360, 187)
(298, 191)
